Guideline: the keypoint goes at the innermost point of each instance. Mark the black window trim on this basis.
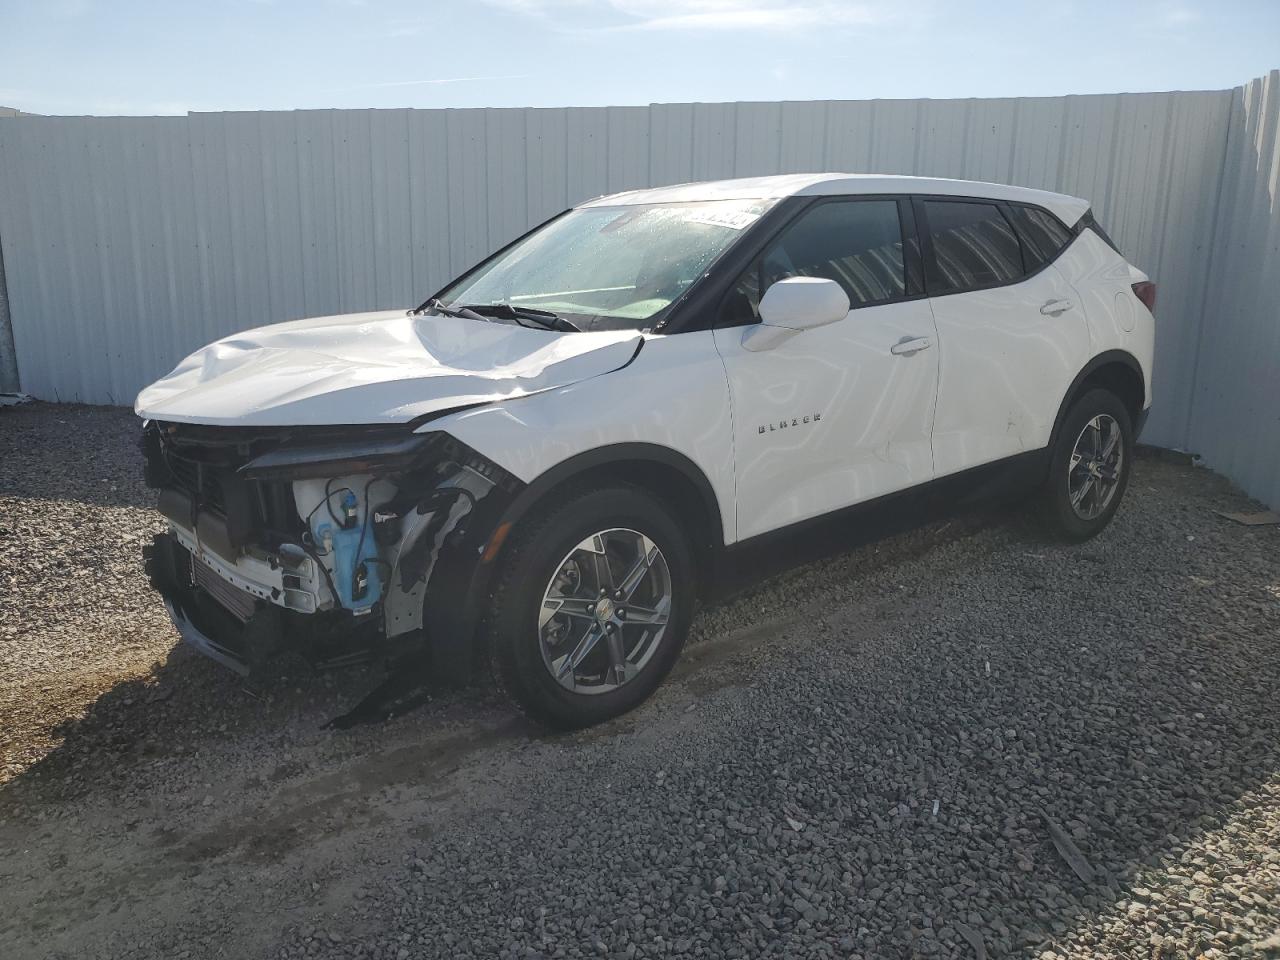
(926, 239)
(1070, 232)
(485, 261)
(700, 306)
(676, 316)
(1088, 222)
(910, 256)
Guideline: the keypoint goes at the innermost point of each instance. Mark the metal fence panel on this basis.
(129, 242)
(1235, 398)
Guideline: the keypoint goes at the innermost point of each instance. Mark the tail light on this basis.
(1146, 292)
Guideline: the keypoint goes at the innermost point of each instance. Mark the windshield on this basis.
(609, 268)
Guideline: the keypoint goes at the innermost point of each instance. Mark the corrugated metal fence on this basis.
(1235, 395)
(129, 242)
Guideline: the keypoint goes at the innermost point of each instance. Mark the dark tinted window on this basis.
(973, 244)
(1041, 233)
(856, 243)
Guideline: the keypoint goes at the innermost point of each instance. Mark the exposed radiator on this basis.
(237, 601)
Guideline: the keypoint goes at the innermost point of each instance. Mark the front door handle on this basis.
(909, 345)
(1054, 308)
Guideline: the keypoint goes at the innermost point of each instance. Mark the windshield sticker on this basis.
(733, 219)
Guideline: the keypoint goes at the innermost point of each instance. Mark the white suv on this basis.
(632, 407)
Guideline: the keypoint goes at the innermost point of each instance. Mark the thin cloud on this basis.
(540, 7)
(760, 18)
(430, 82)
(626, 15)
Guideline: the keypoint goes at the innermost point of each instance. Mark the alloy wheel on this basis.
(605, 611)
(1093, 474)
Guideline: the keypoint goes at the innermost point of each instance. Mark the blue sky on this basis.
(129, 57)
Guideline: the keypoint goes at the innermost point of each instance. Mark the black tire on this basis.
(1060, 518)
(537, 547)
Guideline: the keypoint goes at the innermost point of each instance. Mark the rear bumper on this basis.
(1140, 423)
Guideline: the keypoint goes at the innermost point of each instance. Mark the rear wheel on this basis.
(593, 606)
(1089, 466)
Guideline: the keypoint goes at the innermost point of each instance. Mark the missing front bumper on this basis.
(237, 632)
(203, 642)
(242, 637)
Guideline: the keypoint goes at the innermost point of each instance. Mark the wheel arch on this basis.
(675, 480)
(460, 598)
(1116, 370)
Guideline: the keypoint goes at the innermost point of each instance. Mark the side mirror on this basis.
(793, 305)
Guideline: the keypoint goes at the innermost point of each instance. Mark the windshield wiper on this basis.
(542, 319)
(437, 306)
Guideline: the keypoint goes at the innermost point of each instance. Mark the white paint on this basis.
(673, 395)
(1100, 277)
(792, 305)
(373, 368)
(802, 303)
(1005, 368)
(875, 411)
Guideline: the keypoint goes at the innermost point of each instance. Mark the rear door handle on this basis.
(1053, 308)
(909, 345)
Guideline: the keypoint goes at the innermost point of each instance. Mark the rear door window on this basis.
(973, 246)
(1043, 236)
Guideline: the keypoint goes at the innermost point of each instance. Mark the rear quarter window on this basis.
(1042, 234)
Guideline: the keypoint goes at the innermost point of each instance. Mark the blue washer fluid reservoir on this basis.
(351, 547)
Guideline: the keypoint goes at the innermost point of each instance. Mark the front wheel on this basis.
(1089, 466)
(592, 606)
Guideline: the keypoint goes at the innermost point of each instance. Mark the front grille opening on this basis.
(201, 481)
(247, 505)
(185, 474)
(211, 492)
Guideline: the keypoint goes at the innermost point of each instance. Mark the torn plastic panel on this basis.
(344, 525)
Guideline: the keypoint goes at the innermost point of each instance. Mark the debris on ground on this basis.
(974, 939)
(1068, 850)
(1258, 518)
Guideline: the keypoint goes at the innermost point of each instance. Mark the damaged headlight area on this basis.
(320, 540)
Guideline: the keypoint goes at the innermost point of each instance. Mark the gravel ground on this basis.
(862, 758)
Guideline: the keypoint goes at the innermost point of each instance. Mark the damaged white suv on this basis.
(632, 407)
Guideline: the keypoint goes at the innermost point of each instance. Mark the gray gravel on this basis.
(859, 759)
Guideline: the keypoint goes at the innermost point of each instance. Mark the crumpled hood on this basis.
(384, 367)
